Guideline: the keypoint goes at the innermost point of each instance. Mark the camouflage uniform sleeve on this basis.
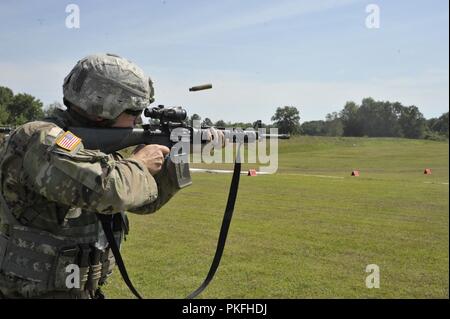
(167, 187)
(87, 179)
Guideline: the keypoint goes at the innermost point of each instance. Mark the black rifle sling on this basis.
(225, 225)
(107, 221)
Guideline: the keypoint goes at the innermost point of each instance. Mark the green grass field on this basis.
(298, 235)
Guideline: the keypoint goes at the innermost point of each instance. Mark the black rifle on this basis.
(171, 129)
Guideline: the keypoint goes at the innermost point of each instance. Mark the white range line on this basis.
(221, 171)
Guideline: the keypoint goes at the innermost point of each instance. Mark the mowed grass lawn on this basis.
(295, 235)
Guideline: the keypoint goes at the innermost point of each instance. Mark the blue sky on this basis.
(258, 54)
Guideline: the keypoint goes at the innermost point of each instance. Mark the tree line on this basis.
(379, 119)
(371, 118)
(17, 109)
(286, 119)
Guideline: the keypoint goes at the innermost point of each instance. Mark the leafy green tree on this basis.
(441, 125)
(6, 95)
(431, 122)
(351, 121)
(383, 118)
(259, 124)
(313, 128)
(4, 115)
(379, 119)
(287, 119)
(24, 108)
(220, 123)
(412, 122)
(207, 122)
(333, 125)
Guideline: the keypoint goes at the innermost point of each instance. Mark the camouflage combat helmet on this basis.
(105, 85)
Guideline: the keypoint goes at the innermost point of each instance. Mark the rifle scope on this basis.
(172, 114)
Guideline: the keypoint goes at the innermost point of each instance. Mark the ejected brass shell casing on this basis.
(201, 87)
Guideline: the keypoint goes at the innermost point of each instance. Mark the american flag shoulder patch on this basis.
(68, 141)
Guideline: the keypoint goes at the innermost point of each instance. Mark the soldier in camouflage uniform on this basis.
(51, 187)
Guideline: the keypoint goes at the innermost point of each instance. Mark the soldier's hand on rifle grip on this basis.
(152, 156)
(217, 137)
